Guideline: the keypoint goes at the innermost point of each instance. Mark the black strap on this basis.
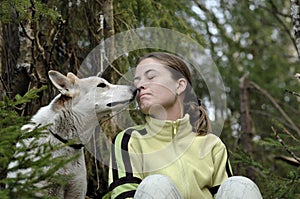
(74, 146)
(214, 190)
(124, 180)
(125, 155)
(127, 194)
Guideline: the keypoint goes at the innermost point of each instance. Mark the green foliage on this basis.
(174, 15)
(269, 182)
(242, 36)
(33, 158)
(24, 9)
(254, 37)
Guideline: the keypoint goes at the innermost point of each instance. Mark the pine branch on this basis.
(277, 106)
(285, 146)
(292, 92)
(275, 12)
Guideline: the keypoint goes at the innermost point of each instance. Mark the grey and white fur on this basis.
(73, 115)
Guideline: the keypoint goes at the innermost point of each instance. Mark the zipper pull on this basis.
(174, 125)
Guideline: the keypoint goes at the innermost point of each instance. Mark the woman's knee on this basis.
(238, 187)
(157, 187)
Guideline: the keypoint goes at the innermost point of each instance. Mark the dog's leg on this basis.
(77, 186)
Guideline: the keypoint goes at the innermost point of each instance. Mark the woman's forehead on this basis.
(150, 64)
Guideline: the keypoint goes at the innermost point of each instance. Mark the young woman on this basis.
(174, 154)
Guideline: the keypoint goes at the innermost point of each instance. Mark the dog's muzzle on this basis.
(134, 92)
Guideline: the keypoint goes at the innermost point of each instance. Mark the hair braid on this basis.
(198, 115)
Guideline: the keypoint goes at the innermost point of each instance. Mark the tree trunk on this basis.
(1, 59)
(97, 169)
(27, 64)
(247, 133)
(14, 79)
(295, 14)
(109, 27)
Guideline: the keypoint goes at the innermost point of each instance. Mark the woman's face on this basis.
(157, 88)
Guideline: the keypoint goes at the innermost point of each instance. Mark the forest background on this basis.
(253, 44)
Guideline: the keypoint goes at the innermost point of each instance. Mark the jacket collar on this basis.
(168, 128)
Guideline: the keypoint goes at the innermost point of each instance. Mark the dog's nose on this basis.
(134, 90)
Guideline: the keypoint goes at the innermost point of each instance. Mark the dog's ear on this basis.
(72, 77)
(64, 84)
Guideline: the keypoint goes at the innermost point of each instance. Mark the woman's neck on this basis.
(172, 113)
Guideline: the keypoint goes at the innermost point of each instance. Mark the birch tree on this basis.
(295, 14)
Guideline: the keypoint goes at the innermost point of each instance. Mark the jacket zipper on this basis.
(174, 128)
(174, 132)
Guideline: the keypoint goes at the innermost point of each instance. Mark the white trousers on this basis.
(161, 187)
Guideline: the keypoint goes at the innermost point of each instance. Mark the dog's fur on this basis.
(73, 115)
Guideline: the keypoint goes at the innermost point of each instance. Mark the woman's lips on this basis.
(142, 95)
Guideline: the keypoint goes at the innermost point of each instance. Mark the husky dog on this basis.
(73, 115)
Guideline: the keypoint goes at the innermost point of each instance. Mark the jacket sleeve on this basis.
(222, 168)
(124, 177)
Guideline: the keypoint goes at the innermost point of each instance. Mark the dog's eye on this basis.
(101, 85)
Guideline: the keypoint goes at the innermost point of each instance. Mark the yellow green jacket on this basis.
(196, 164)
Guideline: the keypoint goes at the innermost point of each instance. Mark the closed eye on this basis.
(151, 77)
(151, 74)
(101, 85)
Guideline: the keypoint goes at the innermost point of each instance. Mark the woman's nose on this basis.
(140, 85)
(140, 88)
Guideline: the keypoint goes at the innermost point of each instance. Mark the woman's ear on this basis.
(181, 86)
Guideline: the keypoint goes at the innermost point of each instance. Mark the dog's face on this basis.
(92, 93)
